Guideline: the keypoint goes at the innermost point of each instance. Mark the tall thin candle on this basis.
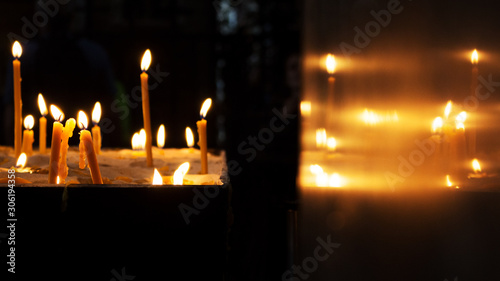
(17, 50)
(43, 125)
(96, 130)
(202, 135)
(55, 149)
(472, 119)
(87, 150)
(146, 61)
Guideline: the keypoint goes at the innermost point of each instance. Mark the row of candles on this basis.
(453, 145)
(90, 144)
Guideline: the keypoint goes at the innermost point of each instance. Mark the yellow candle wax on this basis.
(202, 135)
(43, 125)
(87, 150)
(96, 130)
(146, 61)
(55, 149)
(66, 134)
(18, 104)
(28, 139)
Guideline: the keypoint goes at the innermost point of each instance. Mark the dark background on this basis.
(244, 54)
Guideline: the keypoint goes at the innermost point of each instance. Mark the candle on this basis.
(330, 101)
(17, 50)
(55, 148)
(179, 174)
(146, 61)
(43, 125)
(67, 133)
(160, 137)
(189, 139)
(28, 138)
(202, 135)
(458, 147)
(472, 128)
(96, 130)
(437, 129)
(87, 150)
(157, 178)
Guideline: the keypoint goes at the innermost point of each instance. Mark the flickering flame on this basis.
(331, 143)
(136, 141)
(336, 180)
(448, 182)
(180, 173)
(56, 113)
(96, 113)
(17, 50)
(331, 64)
(474, 58)
(321, 138)
(160, 137)
(370, 117)
(437, 125)
(41, 105)
(459, 126)
(475, 166)
(29, 122)
(21, 161)
(146, 60)
(83, 121)
(316, 169)
(205, 107)
(58, 180)
(157, 179)
(447, 109)
(461, 117)
(305, 108)
(142, 134)
(189, 137)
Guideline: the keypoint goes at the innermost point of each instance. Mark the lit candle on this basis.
(472, 121)
(55, 148)
(146, 61)
(43, 125)
(87, 150)
(437, 129)
(330, 101)
(28, 139)
(189, 139)
(96, 130)
(67, 133)
(458, 147)
(179, 174)
(157, 178)
(17, 50)
(160, 137)
(202, 135)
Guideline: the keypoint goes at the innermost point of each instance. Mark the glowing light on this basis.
(136, 142)
(474, 58)
(58, 180)
(447, 109)
(370, 117)
(160, 137)
(305, 108)
(146, 60)
(41, 105)
(17, 50)
(56, 113)
(331, 143)
(96, 113)
(448, 181)
(461, 117)
(437, 125)
(205, 107)
(336, 180)
(321, 138)
(475, 166)
(189, 137)
(83, 121)
(29, 122)
(180, 173)
(316, 169)
(157, 179)
(21, 161)
(331, 64)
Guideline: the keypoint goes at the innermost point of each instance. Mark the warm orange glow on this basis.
(142, 135)
(160, 137)
(475, 166)
(459, 126)
(321, 138)
(189, 137)
(56, 113)
(136, 141)
(336, 180)
(448, 181)
(21, 161)
(205, 107)
(305, 108)
(146, 60)
(17, 50)
(370, 117)
(157, 179)
(29, 122)
(41, 105)
(447, 109)
(474, 58)
(461, 117)
(83, 121)
(180, 173)
(331, 64)
(58, 180)
(437, 125)
(316, 169)
(331, 143)
(96, 113)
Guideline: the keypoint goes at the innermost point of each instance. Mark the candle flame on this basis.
(447, 109)
(189, 137)
(331, 64)
(370, 117)
(475, 166)
(41, 105)
(56, 113)
(205, 107)
(305, 108)
(146, 60)
(437, 125)
(83, 121)
(142, 135)
(29, 122)
(21, 161)
(157, 178)
(58, 180)
(96, 113)
(448, 181)
(336, 180)
(331, 143)
(321, 139)
(136, 141)
(160, 137)
(459, 126)
(461, 117)
(17, 50)
(316, 169)
(180, 173)
(474, 58)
